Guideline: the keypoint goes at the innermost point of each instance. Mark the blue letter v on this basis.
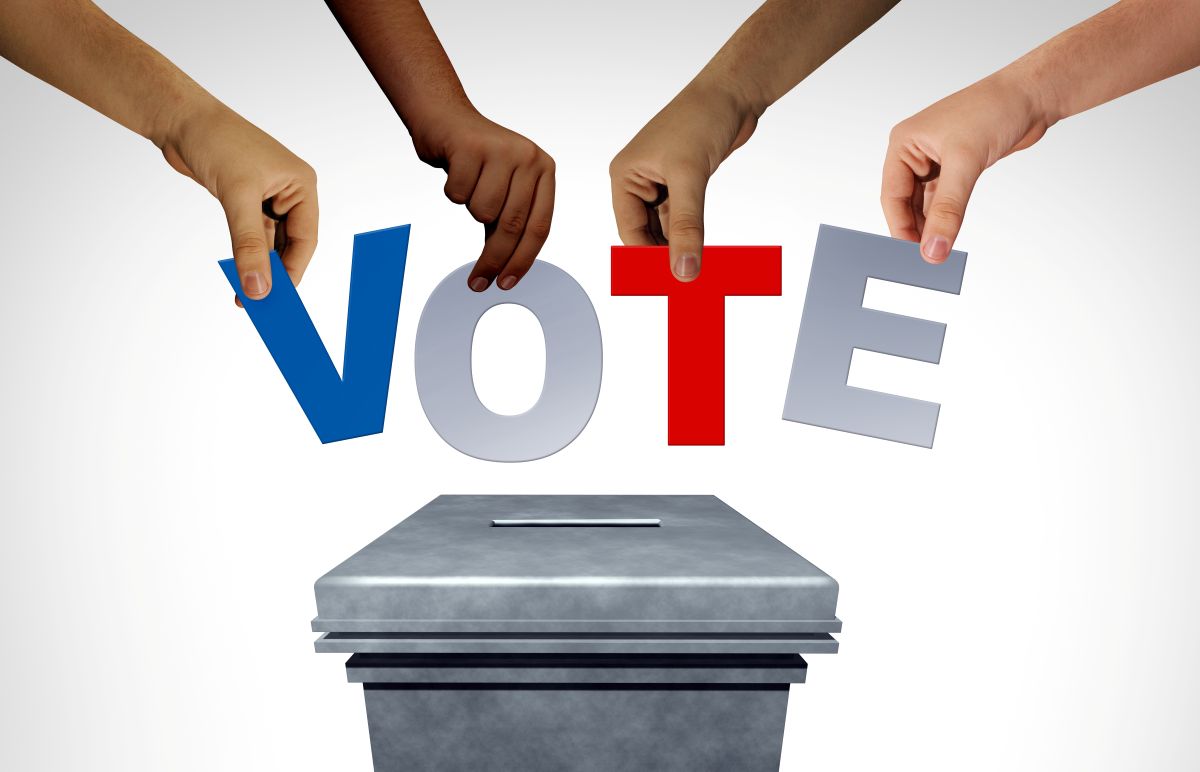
(339, 408)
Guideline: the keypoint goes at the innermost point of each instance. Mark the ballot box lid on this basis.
(576, 564)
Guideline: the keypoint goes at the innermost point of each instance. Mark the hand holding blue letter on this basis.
(352, 405)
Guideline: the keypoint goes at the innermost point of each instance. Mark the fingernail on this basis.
(479, 283)
(508, 282)
(254, 284)
(936, 250)
(687, 266)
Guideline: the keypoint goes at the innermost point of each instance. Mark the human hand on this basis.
(244, 168)
(935, 157)
(659, 179)
(505, 181)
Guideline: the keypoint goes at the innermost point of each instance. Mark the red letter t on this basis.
(696, 326)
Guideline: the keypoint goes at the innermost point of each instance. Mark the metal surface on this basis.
(573, 626)
(577, 668)
(551, 727)
(583, 633)
(564, 522)
(379, 643)
(705, 567)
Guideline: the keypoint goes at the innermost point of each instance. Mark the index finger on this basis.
(633, 219)
(896, 196)
(536, 233)
(301, 227)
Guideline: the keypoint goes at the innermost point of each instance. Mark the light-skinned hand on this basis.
(243, 167)
(935, 157)
(75, 46)
(660, 178)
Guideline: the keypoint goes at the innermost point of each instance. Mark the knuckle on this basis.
(249, 245)
(456, 194)
(945, 210)
(513, 224)
(538, 229)
(686, 225)
(526, 152)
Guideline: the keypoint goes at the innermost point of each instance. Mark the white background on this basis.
(1021, 597)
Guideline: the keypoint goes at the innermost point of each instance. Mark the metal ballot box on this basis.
(590, 633)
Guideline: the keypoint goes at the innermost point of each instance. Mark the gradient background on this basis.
(1023, 596)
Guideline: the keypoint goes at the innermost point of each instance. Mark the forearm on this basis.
(403, 53)
(1122, 49)
(783, 42)
(76, 47)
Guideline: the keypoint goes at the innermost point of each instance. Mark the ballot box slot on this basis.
(578, 522)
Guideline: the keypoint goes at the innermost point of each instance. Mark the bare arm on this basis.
(935, 158)
(76, 47)
(784, 42)
(505, 180)
(659, 178)
(1121, 49)
(400, 48)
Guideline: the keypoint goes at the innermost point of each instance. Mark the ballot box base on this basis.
(584, 714)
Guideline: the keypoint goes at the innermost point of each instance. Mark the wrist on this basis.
(179, 111)
(435, 106)
(1034, 89)
(740, 95)
(738, 83)
(434, 128)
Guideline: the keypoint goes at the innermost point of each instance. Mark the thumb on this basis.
(243, 210)
(686, 224)
(944, 217)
